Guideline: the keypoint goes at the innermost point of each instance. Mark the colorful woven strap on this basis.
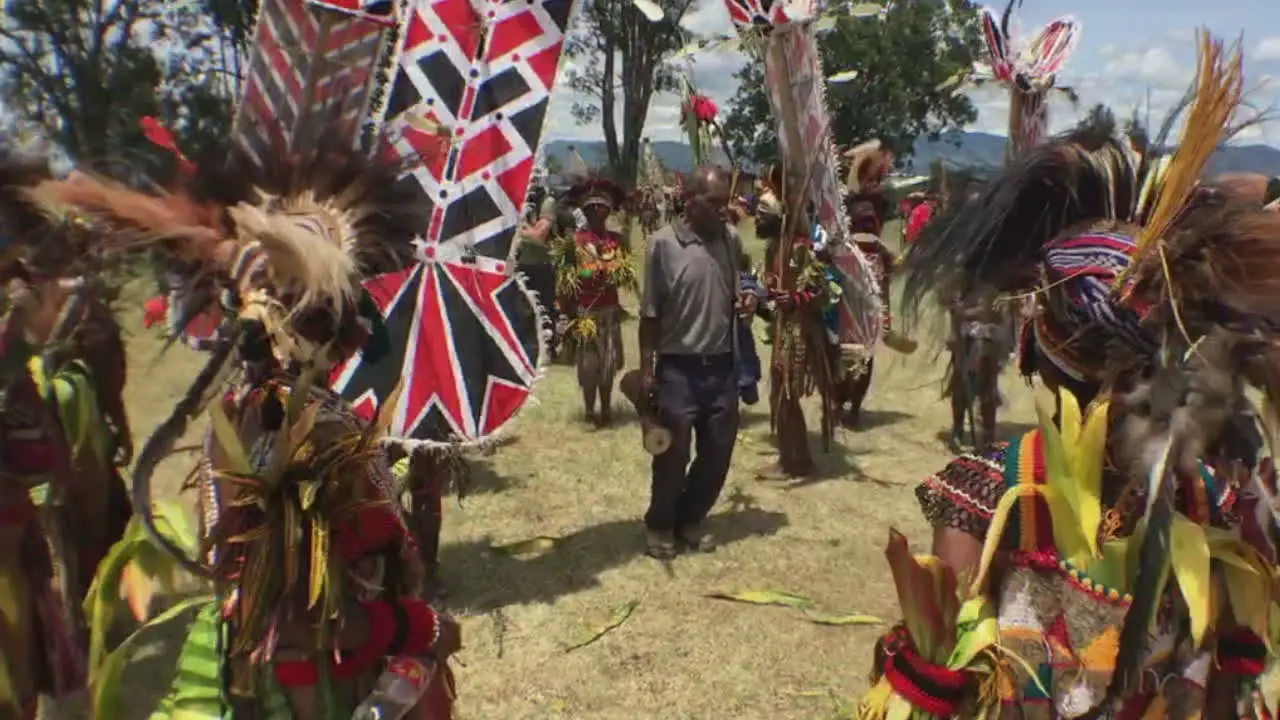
(1029, 522)
(1241, 652)
(929, 687)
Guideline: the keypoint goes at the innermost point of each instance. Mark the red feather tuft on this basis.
(161, 137)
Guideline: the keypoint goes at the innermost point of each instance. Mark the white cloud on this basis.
(1268, 49)
(1150, 77)
(1155, 66)
(709, 17)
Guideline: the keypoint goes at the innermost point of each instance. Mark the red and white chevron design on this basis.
(484, 74)
(472, 86)
(304, 57)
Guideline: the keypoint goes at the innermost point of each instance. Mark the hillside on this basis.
(968, 149)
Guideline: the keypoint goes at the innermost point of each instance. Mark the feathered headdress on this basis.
(1028, 70)
(869, 165)
(596, 189)
(290, 234)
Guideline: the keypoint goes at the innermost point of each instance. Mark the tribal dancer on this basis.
(866, 207)
(982, 330)
(62, 431)
(1121, 566)
(800, 364)
(316, 572)
(594, 267)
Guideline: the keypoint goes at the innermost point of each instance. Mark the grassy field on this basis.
(679, 653)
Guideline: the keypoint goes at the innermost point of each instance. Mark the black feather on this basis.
(989, 243)
(1148, 589)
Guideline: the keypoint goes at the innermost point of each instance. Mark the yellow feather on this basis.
(1190, 565)
(1067, 535)
(1088, 455)
(1071, 419)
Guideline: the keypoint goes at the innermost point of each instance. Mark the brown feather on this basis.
(142, 219)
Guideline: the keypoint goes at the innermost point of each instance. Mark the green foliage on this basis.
(621, 60)
(81, 73)
(901, 61)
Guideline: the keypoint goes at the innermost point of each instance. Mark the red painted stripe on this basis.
(298, 16)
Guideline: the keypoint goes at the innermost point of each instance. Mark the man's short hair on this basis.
(701, 178)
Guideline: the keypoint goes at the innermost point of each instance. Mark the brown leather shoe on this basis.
(659, 545)
(697, 539)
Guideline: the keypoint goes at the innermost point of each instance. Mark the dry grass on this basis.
(681, 654)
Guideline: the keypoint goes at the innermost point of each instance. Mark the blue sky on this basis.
(1127, 47)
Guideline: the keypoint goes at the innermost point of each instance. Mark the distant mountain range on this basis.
(972, 150)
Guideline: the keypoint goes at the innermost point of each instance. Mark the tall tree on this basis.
(617, 54)
(903, 61)
(83, 72)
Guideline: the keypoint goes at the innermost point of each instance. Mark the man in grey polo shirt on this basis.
(687, 336)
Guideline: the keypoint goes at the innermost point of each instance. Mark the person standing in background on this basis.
(688, 326)
(533, 260)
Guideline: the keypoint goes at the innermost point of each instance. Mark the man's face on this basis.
(710, 209)
(597, 213)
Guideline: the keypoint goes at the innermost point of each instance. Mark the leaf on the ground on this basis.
(765, 597)
(854, 619)
(843, 77)
(540, 545)
(621, 614)
(862, 10)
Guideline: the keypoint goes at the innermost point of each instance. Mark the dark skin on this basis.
(706, 212)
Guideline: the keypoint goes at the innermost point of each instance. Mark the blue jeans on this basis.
(697, 398)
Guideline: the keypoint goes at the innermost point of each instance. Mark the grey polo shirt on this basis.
(690, 287)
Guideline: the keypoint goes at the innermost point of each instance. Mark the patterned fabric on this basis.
(485, 72)
(1079, 313)
(468, 332)
(466, 342)
(305, 56)
(963, 495)
(1063, 626)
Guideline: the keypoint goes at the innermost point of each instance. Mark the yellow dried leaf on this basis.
(224, 432)
(765, 597)
(540, 545)
(621, 614)
(854, 619)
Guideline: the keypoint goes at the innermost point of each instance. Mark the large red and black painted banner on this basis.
(472, 85)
